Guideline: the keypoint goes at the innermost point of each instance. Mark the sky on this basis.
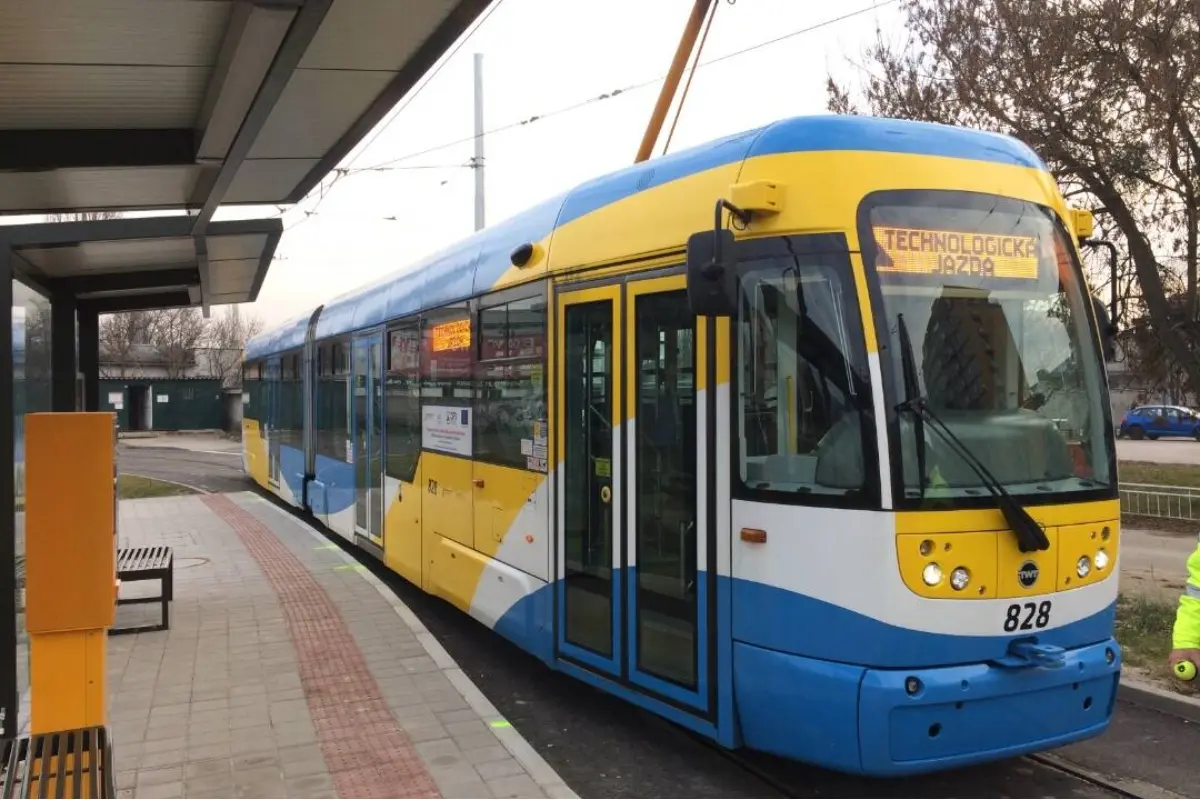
(541, 57)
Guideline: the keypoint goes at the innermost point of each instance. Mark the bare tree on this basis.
(227, 337)
(120, 334)
(1106, 91)
(175, 333)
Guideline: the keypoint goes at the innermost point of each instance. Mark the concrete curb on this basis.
(539, 770)
(1165, 702)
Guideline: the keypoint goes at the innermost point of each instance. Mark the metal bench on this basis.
(147, 564)
(74, 763)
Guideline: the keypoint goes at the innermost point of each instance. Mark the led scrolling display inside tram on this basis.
(454, 335)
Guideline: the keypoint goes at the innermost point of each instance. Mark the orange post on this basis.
(682, 52)
(70, 564)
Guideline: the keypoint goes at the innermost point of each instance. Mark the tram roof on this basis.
(474, 264)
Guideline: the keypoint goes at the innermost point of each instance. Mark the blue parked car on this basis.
(1152, 422)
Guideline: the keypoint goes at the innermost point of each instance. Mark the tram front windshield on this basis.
(992, 299)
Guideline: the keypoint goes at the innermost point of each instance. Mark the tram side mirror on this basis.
(710, 273)
(1108, 331)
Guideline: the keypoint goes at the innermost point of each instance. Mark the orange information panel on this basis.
(942, 253)
(70, 521)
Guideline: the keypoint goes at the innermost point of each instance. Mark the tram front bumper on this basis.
(870, 722)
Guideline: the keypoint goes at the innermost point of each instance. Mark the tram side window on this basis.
(446, 389)
(403, 386)
(251, 408)
(288, 428)
(510, 408)
(804, 423)
(331, 400)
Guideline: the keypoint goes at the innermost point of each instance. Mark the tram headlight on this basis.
(1083, 566)
(959, 578)
(932, 574)
(1101, 560)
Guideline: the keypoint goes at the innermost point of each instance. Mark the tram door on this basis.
(634, 589)
(271, 420)
(367, 426)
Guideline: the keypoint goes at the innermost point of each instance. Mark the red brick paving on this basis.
(367, 753)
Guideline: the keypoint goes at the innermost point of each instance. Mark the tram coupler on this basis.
(1025, 653)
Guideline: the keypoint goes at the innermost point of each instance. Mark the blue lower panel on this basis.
(291, 471)
(797, 707)
(964, 715)
(529, 623)
(864, 721)
(338, 480)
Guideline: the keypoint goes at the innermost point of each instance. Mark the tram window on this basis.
(331, 403)
(286, 389)
(510, 407)
(295, 395)
(250, 387)
(403, 386)
(446, 359)
(804, 401)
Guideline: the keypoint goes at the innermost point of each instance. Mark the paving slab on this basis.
(289, 670)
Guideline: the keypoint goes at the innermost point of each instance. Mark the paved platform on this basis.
(291, 671)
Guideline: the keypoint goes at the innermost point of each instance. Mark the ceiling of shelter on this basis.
(172, 103)
(191, 104)
(125, 264)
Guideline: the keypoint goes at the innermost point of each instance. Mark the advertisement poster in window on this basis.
(446, 429)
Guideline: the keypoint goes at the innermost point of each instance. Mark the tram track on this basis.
(793, 780)
(1051, 761)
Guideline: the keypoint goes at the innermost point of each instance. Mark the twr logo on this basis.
(1028, 573)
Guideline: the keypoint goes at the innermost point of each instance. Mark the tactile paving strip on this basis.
(367, 753)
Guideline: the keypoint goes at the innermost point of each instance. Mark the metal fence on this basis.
(1166, 502)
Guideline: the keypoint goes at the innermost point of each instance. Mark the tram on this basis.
(798, 438)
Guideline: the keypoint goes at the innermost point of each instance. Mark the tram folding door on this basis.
(367, 426)
(634, 590)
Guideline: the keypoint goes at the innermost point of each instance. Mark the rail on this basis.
(1164, 502)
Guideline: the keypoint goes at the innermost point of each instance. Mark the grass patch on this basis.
(1161, 474)
(1143, 630)
(134, 487)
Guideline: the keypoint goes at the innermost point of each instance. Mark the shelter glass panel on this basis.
(31, 393)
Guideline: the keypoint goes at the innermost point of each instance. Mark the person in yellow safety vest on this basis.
(1186, 637)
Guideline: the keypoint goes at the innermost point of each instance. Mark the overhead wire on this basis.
(428, 79)
(621, 91)
(392, 164)
(691, 74)
(341, 172)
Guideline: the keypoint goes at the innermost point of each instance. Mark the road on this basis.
(210, 470)
(604, 748)
(1163, 451)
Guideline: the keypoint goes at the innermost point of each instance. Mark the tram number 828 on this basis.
(1035, 615)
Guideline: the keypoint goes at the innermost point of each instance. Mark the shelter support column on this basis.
(9, 700)
(62, 352)
(89, 357)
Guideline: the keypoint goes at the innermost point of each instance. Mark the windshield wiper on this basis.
(912, 394)
(1030, 535)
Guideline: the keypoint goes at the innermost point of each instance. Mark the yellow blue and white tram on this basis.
(831, 476)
